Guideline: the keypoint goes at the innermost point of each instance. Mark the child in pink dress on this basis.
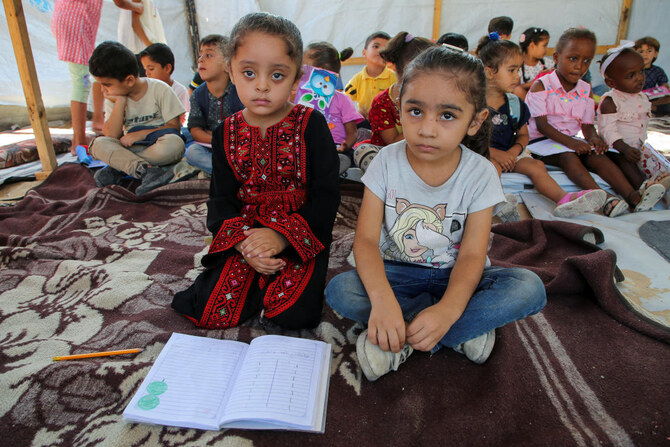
(561, 105)
(340, 111)
(623, 115)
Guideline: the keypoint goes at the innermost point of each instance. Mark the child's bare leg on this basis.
(610, 172)
(567, 205)
(538, 174)
(573, 167)
(630, 170)
(98, 101)
(78, 111)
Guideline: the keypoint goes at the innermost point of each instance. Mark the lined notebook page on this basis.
(188, 383)
(278, 381)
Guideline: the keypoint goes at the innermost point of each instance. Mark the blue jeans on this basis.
(502, 296)
(200, 157)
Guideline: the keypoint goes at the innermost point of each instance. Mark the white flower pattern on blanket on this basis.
(105, 281)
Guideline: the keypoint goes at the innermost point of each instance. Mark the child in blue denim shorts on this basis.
(423, 278)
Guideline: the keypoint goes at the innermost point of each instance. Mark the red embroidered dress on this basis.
(287, 181)
(383, 115)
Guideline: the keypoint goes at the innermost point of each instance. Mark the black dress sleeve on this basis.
(309, 229)
(223, 206)
(323, 180)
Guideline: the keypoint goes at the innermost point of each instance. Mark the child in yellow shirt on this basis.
(375, 76)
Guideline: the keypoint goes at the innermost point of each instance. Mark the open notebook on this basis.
(275, 382)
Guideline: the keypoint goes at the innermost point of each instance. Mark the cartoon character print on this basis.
(318, 89)
(418, 234)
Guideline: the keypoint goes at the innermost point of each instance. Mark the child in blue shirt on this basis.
(211, 102)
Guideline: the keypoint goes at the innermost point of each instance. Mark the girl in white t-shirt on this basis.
(426, 282)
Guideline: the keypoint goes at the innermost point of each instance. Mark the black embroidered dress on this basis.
(287, 181)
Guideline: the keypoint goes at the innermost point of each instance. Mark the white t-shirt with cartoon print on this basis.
(424, 224)
(155, 108)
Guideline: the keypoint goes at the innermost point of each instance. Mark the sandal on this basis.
(650, 194)
(662, 178)
(611, 209)
(587, 201)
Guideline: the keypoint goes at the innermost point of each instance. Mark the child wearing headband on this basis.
(623, 115)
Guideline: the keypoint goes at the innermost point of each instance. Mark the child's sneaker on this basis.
(108, 176)
(650, 194)
(583, 202)
(153, 178)
(376, 362)
(479, 348)
(509, 211)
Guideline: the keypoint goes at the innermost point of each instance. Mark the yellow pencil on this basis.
(97, 354)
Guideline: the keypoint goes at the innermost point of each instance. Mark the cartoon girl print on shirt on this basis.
(418, 234)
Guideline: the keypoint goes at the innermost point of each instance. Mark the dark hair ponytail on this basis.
(480, 141)
(326, 56)
(469, 76)
(402, 49)
(534, 35)
(494, 52)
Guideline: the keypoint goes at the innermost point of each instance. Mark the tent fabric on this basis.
(337, 22)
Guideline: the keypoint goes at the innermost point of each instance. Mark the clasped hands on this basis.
(388, 329)
(260, 247)
(505, 159)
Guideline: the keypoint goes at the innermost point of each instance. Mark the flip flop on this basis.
(587, 201)
(615, 210)
(650, 195)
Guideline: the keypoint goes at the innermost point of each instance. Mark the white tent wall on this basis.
(341, 22)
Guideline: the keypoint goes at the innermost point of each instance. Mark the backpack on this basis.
(514, 109)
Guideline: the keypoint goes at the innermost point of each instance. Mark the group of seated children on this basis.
(443, 132)
(275, 192)
(527, 135)
(557, 108)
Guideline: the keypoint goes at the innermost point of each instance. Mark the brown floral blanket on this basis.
(84, 269)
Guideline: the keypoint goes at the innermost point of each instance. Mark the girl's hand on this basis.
(631, 154)
(598, 144)
(263, 243)
(429, 327)
(342, 148)
(386, 326)
(265, 266)
(137, 7)
(505, 159)
(580, 147)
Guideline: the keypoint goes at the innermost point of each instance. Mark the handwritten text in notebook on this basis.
(275, 378)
